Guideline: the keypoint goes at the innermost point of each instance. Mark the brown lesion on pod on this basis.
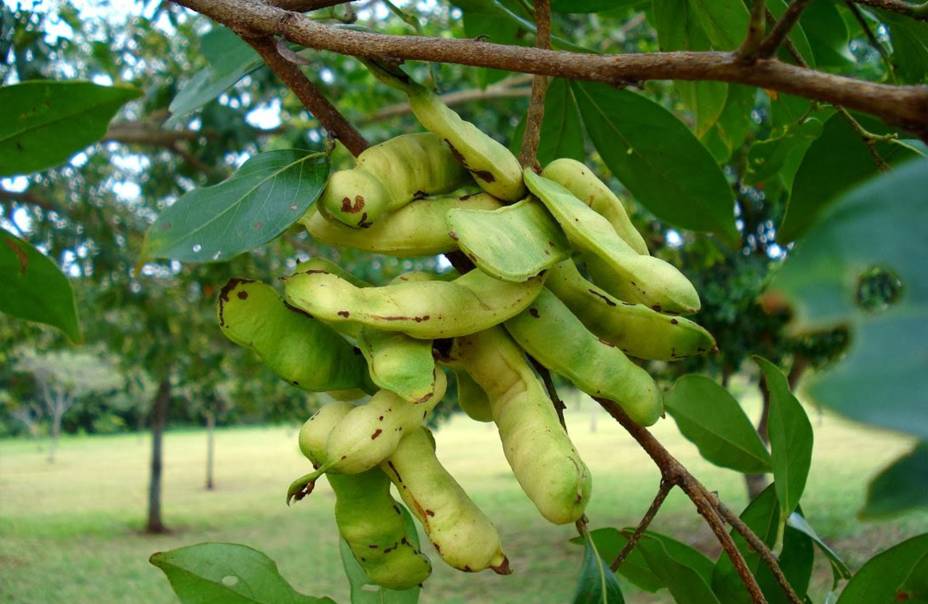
(534, 312)
(376, 433)
(673, 321)
(503, 567)
(602, 297)
(344, 313)
(350, 207)
(225, 292)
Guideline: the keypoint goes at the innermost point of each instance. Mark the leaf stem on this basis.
(662, 491)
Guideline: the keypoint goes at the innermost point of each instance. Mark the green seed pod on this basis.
(638, 330)
(368, 518)
(426, 310)
(471, 397)
(461, 533)
(399, 363)
(493, 166)
(624, 273)
(512, 243)
(557, 339)
(301, 350)
(318, 263)
(541, 456)
(368, 434)
(390, 175)
(416, 229)
(585, 186)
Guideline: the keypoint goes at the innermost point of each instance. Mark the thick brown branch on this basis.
(673, 472)
(144, 133)
(906, 106)
(781, 28)
(759, 547)
(309, 95)
(635, 537)
(757, 27)
(536, 107)
(302, 6)
(916, 11)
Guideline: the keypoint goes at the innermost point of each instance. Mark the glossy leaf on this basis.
(881, 379)
(230, 59)
(827, 33)
(597, 583)
(677, 29)
(790, 438)
(711, 418)
(773, 162)
(561, 128)
(33, 288)
(362, 590)
(267, 194)
(762, 516)
(900, 487)
(834, 163)
(838, 565)
(896, 575)
(796, 35)
(724, 21)
(46, 122)
(734, 124)
(685, 584)
(657, 158)
(228, 573)
(910, 46)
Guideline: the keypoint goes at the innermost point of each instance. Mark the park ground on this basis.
(69, 531)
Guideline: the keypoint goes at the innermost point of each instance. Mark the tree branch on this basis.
(330, 118)
(302, 6)
(781, 28)
(906, 106)
(674, 473)
(536, 107)
(759, 547)
(662, 491)
(916, 11)
(28, 197)
(757, 27)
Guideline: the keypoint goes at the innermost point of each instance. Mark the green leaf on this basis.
(724, 21)
(834, 163)
(657, 158)
(899, 487)
(734, 124)
(609, 542)
(46, 122)
(362, 590)
(597, 583)
(591, 6)
(910, 46)
(896, 575)
(881, 379)
(828, 35)
(32, 287)
(790, 438)
(230, 59)
(762, 516)
(267, 194)
(711, 418)
(561, 129)
(685, 584)
(773, 162)
(838, 566)
(227, 573)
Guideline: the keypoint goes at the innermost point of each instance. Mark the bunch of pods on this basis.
(453, 188)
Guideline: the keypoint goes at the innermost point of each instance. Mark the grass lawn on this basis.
(69, 530)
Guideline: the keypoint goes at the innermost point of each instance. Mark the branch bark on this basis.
(674, 473)
(757, 27)
(330, 118)
(781, 28)
(154, 523)
(536, 107)
(916, 11)
(495, 91)
(906, 106)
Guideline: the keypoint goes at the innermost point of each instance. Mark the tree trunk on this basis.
(158, 417)
(210, 446)
(53, 433)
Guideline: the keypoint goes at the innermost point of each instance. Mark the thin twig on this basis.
(781, 28)
(874, 41)
(559, 405)
(916, 11)
(302, 6)
(536, 107)
(330, 118)
(662, 491)
(675, 473)
(759, 547)
(903, 105)
(757, 27)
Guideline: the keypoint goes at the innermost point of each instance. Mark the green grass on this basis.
(69, 530)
